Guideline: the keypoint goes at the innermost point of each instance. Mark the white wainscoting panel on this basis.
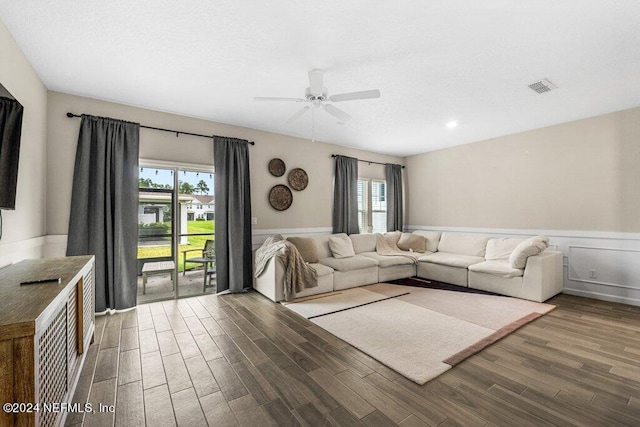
(605, 266)
(13, 252)
(615, 256)
(56, 246)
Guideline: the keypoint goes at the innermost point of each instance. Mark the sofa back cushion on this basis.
(307, 248)
(524, 250)
(388, 241)
(341, 246)
(322, 246)
(433, 238)
(500, 249)
(412, 242)
(364, 242)
(463, 244)
(392, 237)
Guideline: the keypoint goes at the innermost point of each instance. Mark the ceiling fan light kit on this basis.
(317, 97)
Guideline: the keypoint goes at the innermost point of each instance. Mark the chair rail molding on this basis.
(260, 235)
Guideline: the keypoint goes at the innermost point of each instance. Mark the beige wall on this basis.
(311, 208)
(582, 175)
(19, 78)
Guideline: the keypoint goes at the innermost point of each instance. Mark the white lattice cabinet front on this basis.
(45, 330)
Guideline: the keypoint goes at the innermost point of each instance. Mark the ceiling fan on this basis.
(317, 96)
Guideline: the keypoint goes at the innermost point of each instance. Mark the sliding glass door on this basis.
(156, 242)
(196, 235)
(176, 232)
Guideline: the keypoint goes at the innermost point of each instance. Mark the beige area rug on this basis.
(420, 333)
(323, 304)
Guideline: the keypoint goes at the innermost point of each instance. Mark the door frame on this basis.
(176, 167)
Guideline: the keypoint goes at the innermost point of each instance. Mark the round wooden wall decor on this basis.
(280, 197)
(298, 179)
(277, 167)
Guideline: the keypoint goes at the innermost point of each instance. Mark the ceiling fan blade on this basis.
(269, 98)
(336, 112)
(315, 81)
(297, 115)
(352, 96)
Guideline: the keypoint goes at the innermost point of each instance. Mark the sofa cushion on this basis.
(306, 247)
(389, 239)
(355, 262)
(497, 268)
(433, 238)
(322, 245)
(322, 270)
(452, 260)
(364, 242)
(463, 244)
(385, 261)
(341, 246)
(412, 242)
(524, 250)
(500, 249)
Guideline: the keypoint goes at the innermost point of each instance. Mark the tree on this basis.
(145, 183)
(202, 186)
(148, 183)
(186, 188)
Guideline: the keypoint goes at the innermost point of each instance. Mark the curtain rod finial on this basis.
(70, 115)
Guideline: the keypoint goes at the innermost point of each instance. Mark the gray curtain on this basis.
(394, 197)
(104, 207)
(345, 196)
(233, 214)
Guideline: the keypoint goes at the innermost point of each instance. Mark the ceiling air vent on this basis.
(542, 86)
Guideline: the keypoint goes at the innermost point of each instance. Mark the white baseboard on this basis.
(603, 297)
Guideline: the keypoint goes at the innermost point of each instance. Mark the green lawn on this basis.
(195, 242)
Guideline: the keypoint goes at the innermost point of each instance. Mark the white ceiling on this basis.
(433, 61)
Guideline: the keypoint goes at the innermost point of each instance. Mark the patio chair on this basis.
(209, 252)
(208, 246)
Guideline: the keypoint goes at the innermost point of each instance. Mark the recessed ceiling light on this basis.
(452, 123)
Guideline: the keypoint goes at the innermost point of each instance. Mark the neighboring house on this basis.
(201, 207)
(155, 207)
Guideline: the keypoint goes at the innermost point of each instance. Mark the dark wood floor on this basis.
(243, 360)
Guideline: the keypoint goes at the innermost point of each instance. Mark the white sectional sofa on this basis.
(389, 267)
(456, 252)
(538, 281)
(479, 262)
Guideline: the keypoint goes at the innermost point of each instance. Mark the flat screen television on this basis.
(10, 131)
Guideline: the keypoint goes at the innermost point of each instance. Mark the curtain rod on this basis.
(367, 161)
(177, 132)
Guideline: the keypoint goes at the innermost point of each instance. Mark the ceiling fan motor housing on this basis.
(317, 99)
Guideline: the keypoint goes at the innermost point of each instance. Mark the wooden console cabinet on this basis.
(45, 330)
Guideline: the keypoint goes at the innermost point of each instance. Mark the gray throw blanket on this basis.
(298, 275)
(386, 244)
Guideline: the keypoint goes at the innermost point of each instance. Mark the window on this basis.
(372, 205)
